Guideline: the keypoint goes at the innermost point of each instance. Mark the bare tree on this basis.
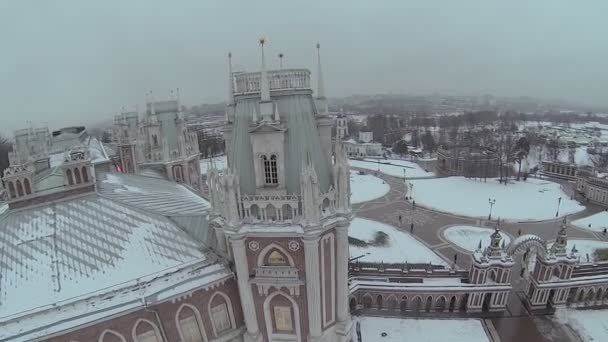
(520, 152)
(5, 148)
(600, 160)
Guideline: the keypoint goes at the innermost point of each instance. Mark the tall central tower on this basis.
(282, 209)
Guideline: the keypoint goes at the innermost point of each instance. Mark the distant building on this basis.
(467, 161)
(593, 185)
(366, 136)
(566, 171)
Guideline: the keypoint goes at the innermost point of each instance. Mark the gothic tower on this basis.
(281, 210)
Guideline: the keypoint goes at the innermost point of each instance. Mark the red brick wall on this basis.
(167, 312)
(298, 258)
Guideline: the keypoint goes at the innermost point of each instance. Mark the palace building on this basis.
(95, 249)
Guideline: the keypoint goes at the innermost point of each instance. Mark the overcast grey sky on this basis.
(75, 62)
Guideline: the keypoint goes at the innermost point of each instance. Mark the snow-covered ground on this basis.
(468, 237)
(585, 247)
(532, 200)
(422, 330)
(401, 246)
(590, 325)
(392, 167)
(366, 187)
(596, 222)
(220, 164)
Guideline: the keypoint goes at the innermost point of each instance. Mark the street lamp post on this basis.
(559, 201)
(492, 202)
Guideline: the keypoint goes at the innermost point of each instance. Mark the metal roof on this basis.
(297, 114)
(74, 247)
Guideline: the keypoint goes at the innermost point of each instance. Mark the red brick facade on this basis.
(163, 317)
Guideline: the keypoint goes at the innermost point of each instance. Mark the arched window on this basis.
(77, 176)
(68, 175)
(85, 174)
(28, 188)
(146, 331)
(155, 140)
(276, 258)
(273, 170)
(19, 188)
(111, 336)
(178, 175)
(270, 170)
(11, 190)
(220, 311)
(189, 324)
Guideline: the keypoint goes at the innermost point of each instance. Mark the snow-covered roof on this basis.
(132, 230)
(158, 196)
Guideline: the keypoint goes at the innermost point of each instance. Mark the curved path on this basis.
(429, 224)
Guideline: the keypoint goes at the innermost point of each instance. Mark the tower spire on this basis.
(320, 83)
(264, 86)
(230, 80)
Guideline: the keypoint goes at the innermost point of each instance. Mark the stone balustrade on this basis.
(248, 83)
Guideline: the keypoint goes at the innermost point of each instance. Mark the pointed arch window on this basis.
(19, 188)
(85, 174)
(276, 258)
(77, 176)
(28, 187)
(270, 170)
(11, 190)
(68, 174)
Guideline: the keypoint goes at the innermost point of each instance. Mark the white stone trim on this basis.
(198, 317)
(268, 317)
(230, 312)
(268, 248)
(329, 238)
(143, 320)
(110, 331)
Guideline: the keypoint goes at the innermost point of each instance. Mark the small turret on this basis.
(77, 168)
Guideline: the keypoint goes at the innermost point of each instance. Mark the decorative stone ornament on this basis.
(254, 245)
(293, 245)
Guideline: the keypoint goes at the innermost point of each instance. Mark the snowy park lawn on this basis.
(366, 187)
(597, 221)
(585, 247)
(590, 325)
(398, 246)
(467, 237)
(392, 167)
(220, 164)
(422, 330)
(532, 200)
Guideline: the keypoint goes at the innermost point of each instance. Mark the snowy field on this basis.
(585, 247)
(422, 330)
(467, 237)
(400, 246)
(366, 187)
(392, 167)
(220, 164)
(597, 221)
(532, 200)
(590, 325)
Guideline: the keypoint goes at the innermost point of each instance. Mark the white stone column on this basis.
(342, 309)
(242, 273)
(342, 273)
(220, 240)
(313, 287)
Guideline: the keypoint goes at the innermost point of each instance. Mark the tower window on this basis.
(270, 170)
